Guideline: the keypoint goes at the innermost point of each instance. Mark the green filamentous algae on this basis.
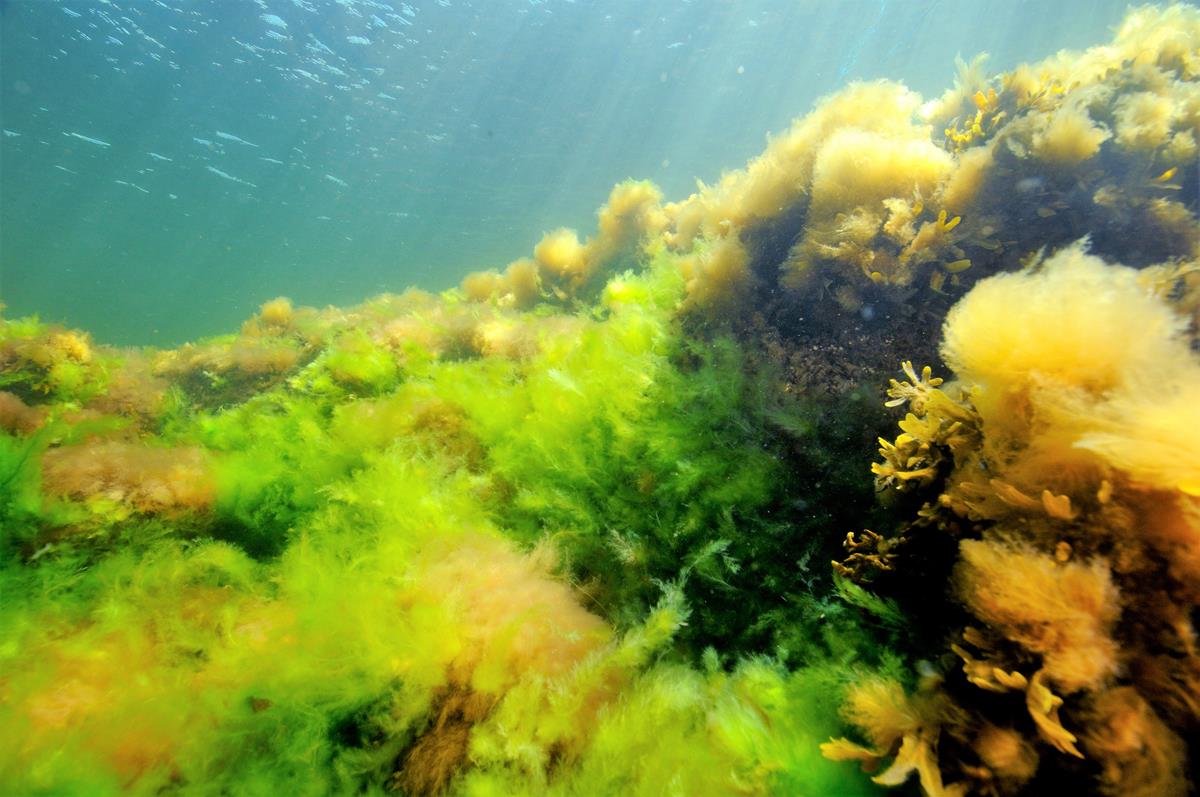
(867, 466)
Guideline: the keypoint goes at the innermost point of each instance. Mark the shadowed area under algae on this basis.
(569, 528)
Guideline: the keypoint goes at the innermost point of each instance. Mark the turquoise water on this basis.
(167, 165)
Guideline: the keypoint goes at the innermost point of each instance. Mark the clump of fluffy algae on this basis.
(564, 530)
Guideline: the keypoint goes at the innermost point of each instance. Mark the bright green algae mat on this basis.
(576, 571)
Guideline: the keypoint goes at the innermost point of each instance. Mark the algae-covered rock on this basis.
(567, 529)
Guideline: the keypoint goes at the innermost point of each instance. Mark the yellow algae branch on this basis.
(1058, 470)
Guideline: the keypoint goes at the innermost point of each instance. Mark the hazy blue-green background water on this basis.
(331, 149)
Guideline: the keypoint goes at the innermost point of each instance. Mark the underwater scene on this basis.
(387, 406)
